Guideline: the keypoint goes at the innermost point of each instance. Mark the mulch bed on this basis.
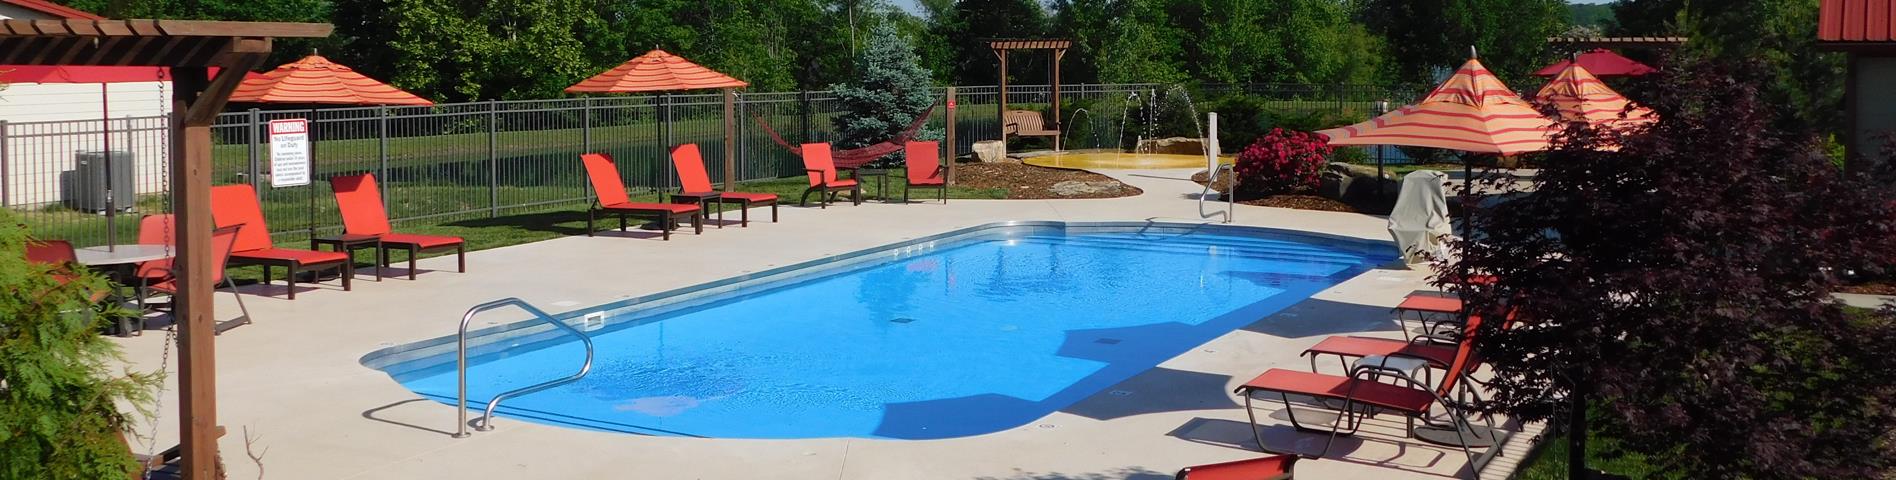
(1871, 288)
(1028, 182)
(1300, 202)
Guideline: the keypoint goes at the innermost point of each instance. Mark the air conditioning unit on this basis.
(84, 187)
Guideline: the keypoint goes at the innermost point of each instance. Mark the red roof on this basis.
(87, 74)
(1601, 62)
(54, 9)
(655, 71)
(1856, 21)
(315, 79)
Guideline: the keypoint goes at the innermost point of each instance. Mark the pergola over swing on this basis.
(191, 49)
(1023, 125)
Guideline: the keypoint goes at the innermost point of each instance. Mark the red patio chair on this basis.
(822, 173)
(155, 230)
(233, 205)
(165, 280)
(691, 179)
(1363, 394)
(362, 214)
(610, 197)
(58, 253)
(1276, 467)
(924, 168)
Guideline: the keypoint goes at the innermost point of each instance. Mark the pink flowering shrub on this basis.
(1282, 161)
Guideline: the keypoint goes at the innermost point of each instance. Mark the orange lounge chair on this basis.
(822, 172)
(1364, 394)
(609, 195)
(362, 214)
(1276, 467)
(692, 180)
(924, 169)
(162, 279)
(233, 205)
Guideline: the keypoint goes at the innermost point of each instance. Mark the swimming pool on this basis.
(959, 334)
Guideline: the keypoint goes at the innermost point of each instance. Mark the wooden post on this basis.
(948, 119)
(730, 139)
(196, 101)
(1000, 112)
(1058, 53)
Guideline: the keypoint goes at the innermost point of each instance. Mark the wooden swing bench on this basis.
(1026, 123)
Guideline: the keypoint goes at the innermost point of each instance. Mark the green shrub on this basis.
(59, 416)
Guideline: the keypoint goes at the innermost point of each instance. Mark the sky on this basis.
(912, 6)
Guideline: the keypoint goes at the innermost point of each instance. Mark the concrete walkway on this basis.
(293, 378)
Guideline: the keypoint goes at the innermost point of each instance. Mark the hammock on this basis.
(857, 157)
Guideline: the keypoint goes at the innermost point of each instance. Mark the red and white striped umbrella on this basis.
(1472, 111)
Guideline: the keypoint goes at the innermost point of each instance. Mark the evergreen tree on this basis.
(890, 90)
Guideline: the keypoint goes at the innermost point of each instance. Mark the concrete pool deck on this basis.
(294, 381)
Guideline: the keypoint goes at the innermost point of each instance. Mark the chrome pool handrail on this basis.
(487, 417)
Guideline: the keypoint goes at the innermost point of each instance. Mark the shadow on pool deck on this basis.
(1315, 317)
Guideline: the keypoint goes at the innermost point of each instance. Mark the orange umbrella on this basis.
(1471, 111)
(1581, 97)
(315, 79)
(655, 71)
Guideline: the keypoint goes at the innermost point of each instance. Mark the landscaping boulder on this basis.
(1074, 188)
(1347, 182)
(990, 151)
(1174, 145)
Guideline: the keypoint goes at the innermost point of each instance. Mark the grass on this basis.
(1549, 462)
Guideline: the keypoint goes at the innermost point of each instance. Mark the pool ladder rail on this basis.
(460, 355)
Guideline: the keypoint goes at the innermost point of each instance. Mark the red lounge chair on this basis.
(1438, 350)
(925, 169)
(609, 192)
(1363, 394)
(1276, 467)
(164, 280)
(692, 179)
(362, 214)
(822, 172)
(233, 205)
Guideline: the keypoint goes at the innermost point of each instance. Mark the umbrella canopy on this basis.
(1471, 111)
(314, 80)
(655, 71)
(1601, 62)
(1582, 97)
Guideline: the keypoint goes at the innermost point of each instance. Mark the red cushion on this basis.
(1439, 356)
(301, 257)
(1431, 303)
(847, 182)
(752, 197)
(641, 206)
(421, 241)
(1394, 397)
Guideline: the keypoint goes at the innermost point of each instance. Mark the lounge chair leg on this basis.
(665, 227)
(1251, 414)
(905, 192)
(589, 222)
(290, 279)
(622, 222)
(773, 211)
(697, 222)
(412, 253)
(240, 299)
(460, 255)
(266, 274)
(744, 214)
(855, 195)
(347, 274)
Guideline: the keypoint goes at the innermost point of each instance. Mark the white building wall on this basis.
(48, 123)
(10, 11)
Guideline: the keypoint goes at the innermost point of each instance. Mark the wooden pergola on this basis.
(190, 49)
(1059, 47)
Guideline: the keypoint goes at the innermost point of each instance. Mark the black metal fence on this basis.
(452, 162)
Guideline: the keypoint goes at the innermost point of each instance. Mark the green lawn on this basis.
(1549, 462)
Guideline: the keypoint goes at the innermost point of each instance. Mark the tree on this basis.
(1426, 36)
(1679, 288)
(1143, 51)
(59, 416)
(891, 90)
(975, 20)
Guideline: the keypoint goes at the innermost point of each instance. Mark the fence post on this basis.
(6, 189)
(381, 156)
(493, 159)
(803, 104)
(585, 138)
(664, 137)
(948, 123)
(311, 187)
(256, 184)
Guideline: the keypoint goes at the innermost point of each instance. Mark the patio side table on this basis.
(704, 201)
(881, 176)
(118, 262)
(349, 243)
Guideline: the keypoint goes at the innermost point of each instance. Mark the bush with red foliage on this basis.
(1282, 161)
(1680, 287)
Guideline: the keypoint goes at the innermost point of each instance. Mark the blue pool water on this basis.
(966, 336)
